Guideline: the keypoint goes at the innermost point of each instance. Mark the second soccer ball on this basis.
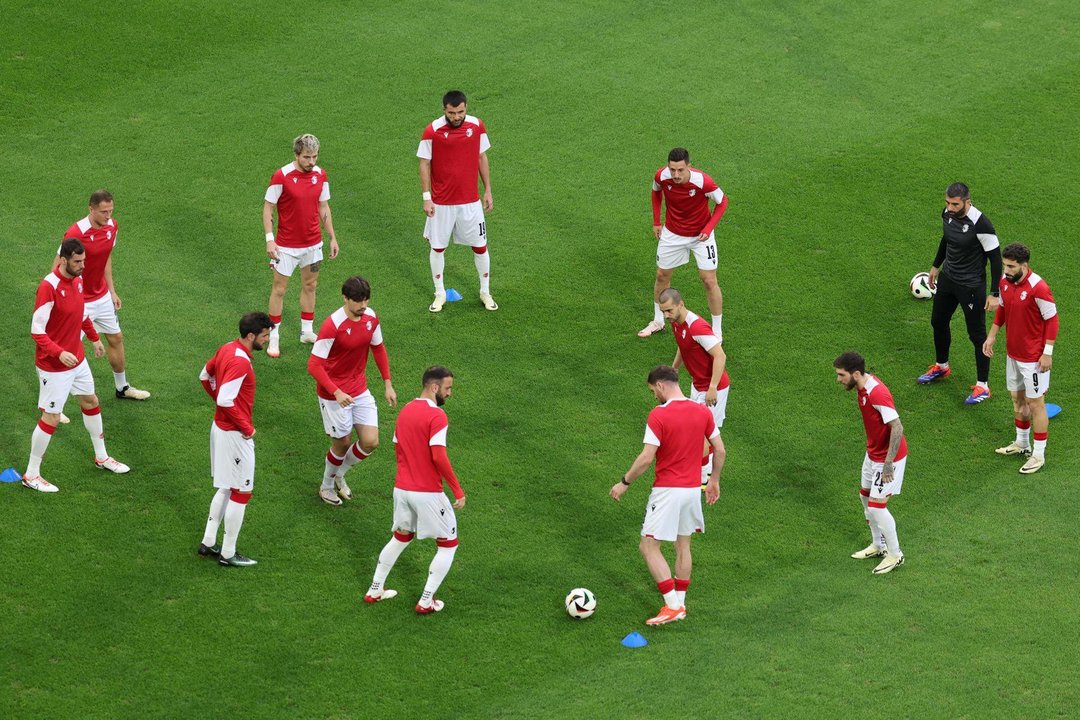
(580, 603)
(920, 286)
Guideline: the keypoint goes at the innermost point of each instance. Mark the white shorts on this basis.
(674, 250)
(292, 258)
(1026, 376)
(673, 511)
(338, 421)
(54, 387)
(103, 314)
(428, 514)
(232, 459)
(464, 222)
(871, 478)
(719, 410)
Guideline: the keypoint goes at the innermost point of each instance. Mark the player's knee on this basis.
(50, 419)
(88, 402)
(709, 281)
(368, 445)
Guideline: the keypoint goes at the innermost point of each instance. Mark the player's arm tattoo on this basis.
(896, 435)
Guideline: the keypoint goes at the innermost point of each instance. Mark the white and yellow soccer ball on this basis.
(920, 286)
(580, 603)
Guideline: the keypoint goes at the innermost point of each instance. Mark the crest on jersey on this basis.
(314, 179)
(63, 294)
(348, 331)
(693, 192)
(108, 234)
(368, 325)
(668, 187)
(1023, 295)
(965, 228)
(294, 181)
(468, 132)
(446, 134)
(863, 399)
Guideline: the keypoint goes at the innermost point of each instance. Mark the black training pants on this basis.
(973, 301)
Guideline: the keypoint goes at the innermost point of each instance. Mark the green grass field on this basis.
(834, 129)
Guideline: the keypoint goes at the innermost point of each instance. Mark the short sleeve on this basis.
(324, 195)
(651, 435)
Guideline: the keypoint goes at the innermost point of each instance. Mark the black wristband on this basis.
(623, 481)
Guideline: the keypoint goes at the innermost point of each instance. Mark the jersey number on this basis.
(483, 230)
(710, 252)
(877, 481)
(1035, 381)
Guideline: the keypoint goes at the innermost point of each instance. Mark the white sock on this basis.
(943, 365)
(331, 469)
(671, 599)
(1038, 449)
(120, 378)
(234, 518)
(483, 269)
(886, 523)
(1023, 436)
(717, 326)
(352, 456)
(983, 385)
(657, 315)
(306, 325)
(39, 442)
(276, 330)
(438, 264)
(217, 512)
(440, 565)
(389, 555)
(97, 434)
(875, 535)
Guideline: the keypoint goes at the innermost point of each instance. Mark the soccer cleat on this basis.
(111, 465)
(436, 606)
(890, 563)
(273, 348)
(488, 301)
(1033, 465)
(978, 395)
(64, 419)
(209, 551)
(1013, 449)
(308, 337)
(651, 329)
(870, 551)
(342, 487)
(437, 304)
(934, 372)
(39, 483)
(237, 560)
(329, 497)
(667, 615)
(386, 594)
(130, 393)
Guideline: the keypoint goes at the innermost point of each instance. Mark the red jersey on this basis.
(687, 203)
(1029, 311)
(59, 320)
(297, 196)
(421, 425)
(695, 339)
(229, 378)
(878, 409)
(99, 243)
(678, 428)
(454, 153)
(340, 354)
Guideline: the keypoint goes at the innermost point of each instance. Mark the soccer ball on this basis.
(580, 603)
(920, 286)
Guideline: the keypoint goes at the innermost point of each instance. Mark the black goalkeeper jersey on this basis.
(965, 241)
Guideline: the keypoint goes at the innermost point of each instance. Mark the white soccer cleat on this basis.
(40, 484)
(488, 301)
(890, 563)
(386, 594)
(651, 329)
(273, 348)
(112, 466)
(1033, 465)
(131, 393)
(329, 497)
(64, 419)
(1013, 449)
(342, 487)
(437, 304)
(870, 551)
(436, 606)
(308, 337)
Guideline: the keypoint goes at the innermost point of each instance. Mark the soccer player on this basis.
(673, 437)
(421, 510)
(687, 229)
(1028, 309)
(699, 350)
(229, 378)
(301, 194)
(453, 152)
(97, 232)
(337, 363)
(59, 320)
(883, 465)
(968, 241)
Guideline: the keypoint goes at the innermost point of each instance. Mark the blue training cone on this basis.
(634, 640)
(10, 475)
(1052, 410)
(452, 295)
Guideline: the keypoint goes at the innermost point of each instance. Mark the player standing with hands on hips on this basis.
(673, 438)
(1028, 309)
(958, 274)
(453, 153)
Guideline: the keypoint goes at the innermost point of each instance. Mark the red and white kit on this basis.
(678, 429)
(338, 362)
(57, 326)
(99, 244)
(229, 378)
(299, 234)
(686, 219)
(878, 409)
(695, 339)
(1029, 313)
(454, 154)
(420, 506)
